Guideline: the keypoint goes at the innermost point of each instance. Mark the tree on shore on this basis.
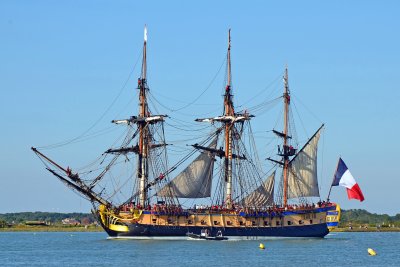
(3, 224)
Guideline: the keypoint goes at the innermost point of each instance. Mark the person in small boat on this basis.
(207, 232)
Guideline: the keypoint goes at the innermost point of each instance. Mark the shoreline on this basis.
(51, 229)
(363, 230)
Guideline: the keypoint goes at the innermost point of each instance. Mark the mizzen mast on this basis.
(288, 151)
(286, 148)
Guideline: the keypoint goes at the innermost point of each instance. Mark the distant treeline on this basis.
(359, 216)
(52, 217)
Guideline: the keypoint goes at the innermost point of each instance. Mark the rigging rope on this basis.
(59, 144)
(201, 94)
(263, 90)
(312, 113)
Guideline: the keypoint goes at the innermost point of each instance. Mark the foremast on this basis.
(143, 130)
(228, 111)
(145, 143)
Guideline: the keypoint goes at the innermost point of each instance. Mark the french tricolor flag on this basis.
(344, 178)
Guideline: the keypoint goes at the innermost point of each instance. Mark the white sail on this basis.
(302, 179)
(263, 195)
(195, 180)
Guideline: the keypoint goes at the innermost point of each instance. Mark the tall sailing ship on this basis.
(225, 171)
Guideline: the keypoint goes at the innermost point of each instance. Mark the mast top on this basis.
(229, 39)
(228, 86)
(286, 80)
(144, 60)
(145, 33)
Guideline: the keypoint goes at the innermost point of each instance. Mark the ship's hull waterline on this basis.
(287, 224)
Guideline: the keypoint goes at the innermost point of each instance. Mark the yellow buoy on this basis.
(262, 246)
(371, 252)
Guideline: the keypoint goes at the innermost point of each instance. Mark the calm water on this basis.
(94, 249)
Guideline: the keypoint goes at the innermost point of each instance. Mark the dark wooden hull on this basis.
(153, 231)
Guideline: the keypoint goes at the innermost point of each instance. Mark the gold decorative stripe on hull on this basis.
(118, 228)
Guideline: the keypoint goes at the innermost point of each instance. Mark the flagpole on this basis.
(337, 166)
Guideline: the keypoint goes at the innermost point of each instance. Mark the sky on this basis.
(69, 67)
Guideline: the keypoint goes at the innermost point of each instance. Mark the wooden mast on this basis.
(286, 97)
(333, 179)
(228, 121)
(229, 111)
(143, 142)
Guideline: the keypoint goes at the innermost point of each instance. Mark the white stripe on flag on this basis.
(347, 180)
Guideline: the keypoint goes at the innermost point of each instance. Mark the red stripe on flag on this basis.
(355, 193)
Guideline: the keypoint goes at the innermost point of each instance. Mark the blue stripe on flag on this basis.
(341, 169)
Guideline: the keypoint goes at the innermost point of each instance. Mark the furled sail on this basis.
(195, 180)
(302, 179)
(263, 195)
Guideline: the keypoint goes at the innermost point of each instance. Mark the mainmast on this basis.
(143, 130)
(228, 120)
(228, 111)
(286, 98)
